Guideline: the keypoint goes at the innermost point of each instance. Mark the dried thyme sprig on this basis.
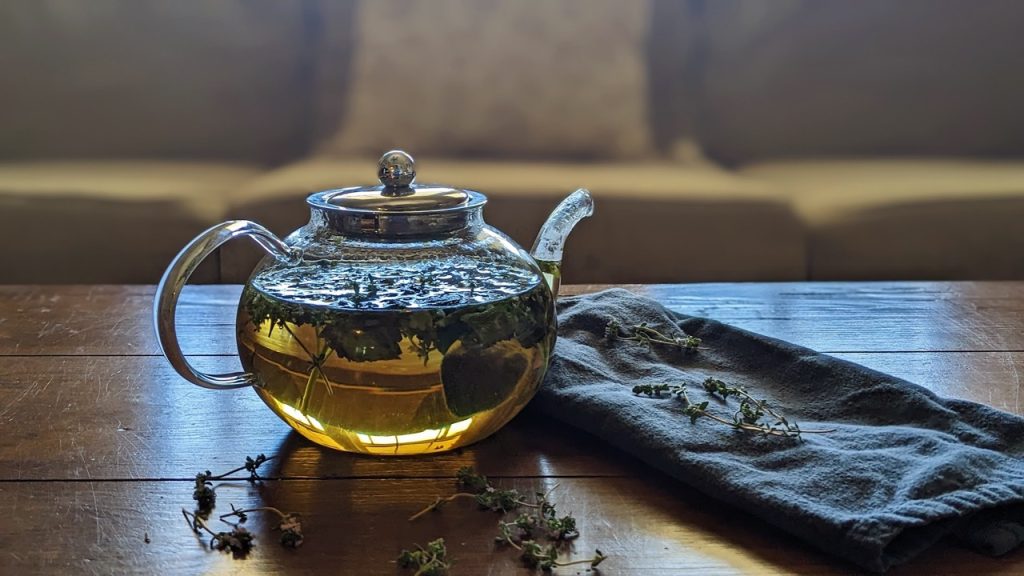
(543, 520)
(478, 488)
(521, 533)
(748, 417)
(290, 524)
(546, 557)
(316, 361)
(239, 540)
(646, 336)
(205, 495)
(429, 561)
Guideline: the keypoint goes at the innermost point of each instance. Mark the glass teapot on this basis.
(395, 322)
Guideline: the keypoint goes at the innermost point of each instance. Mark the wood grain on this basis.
(650, 526)
(100, 439)
(134, 418)
(86, 417)
(829, 317)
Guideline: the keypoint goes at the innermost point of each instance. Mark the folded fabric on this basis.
(902, 468)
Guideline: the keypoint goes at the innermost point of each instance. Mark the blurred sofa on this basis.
(724, 140)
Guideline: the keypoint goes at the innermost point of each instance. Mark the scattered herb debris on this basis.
(546, 557)
(429, 561)
(203, 492)
(479, 489)
(749, 417)
(646, 336)
(238, 541)
(290, 524)
(542, 521)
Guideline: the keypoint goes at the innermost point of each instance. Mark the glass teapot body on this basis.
(395, 322)
(397, 347)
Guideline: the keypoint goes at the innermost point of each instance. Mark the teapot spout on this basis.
(547, 249)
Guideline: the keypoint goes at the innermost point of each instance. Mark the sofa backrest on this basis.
(224, 79)
(264, 80)
(789, 78)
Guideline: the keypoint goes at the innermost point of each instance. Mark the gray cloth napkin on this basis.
(902, 469)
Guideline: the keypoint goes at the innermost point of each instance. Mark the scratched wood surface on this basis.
(99, 439)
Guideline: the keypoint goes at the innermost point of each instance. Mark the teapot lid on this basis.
(397, 206)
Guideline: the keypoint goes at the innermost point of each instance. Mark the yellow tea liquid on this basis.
(397, 359)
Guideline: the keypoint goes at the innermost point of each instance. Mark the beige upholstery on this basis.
(796, 78)
(498, 78)
(131, 78)
(110, 222)
(652, 223)
(911, 219)
(207, 89)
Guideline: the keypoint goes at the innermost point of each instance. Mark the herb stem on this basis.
(442, 500)
(196, 522)
(317, 366)
(258, 509)
(645, 336)
(563, 564)
(299, 342)
(754, 427)
(307, 392)
(548, 493)
(238, 469)
(325, 353)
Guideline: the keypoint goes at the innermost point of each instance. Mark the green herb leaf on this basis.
(429, 561)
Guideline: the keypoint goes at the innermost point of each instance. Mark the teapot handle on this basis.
(177, 274)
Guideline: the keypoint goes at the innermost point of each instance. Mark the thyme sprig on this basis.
(239, 540)
(479, 489)
(646, 336)
(290, 524)
(749, 417)
(204, 493)
(546, 557)
(429, 561)
(544, 520)
(316, 362)
(522, 533)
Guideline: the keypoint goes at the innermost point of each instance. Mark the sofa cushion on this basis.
(497, 78)
(149, 78)
(798, 78)
(653, 222)
(909, 219)
(107, 222)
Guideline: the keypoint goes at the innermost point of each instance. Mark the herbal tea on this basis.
(400, 357)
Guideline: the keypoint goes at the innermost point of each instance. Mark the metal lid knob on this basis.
(396, 169)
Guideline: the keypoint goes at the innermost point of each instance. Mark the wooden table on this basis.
(100, 441)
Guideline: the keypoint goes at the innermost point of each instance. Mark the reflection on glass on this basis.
(428, 440)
